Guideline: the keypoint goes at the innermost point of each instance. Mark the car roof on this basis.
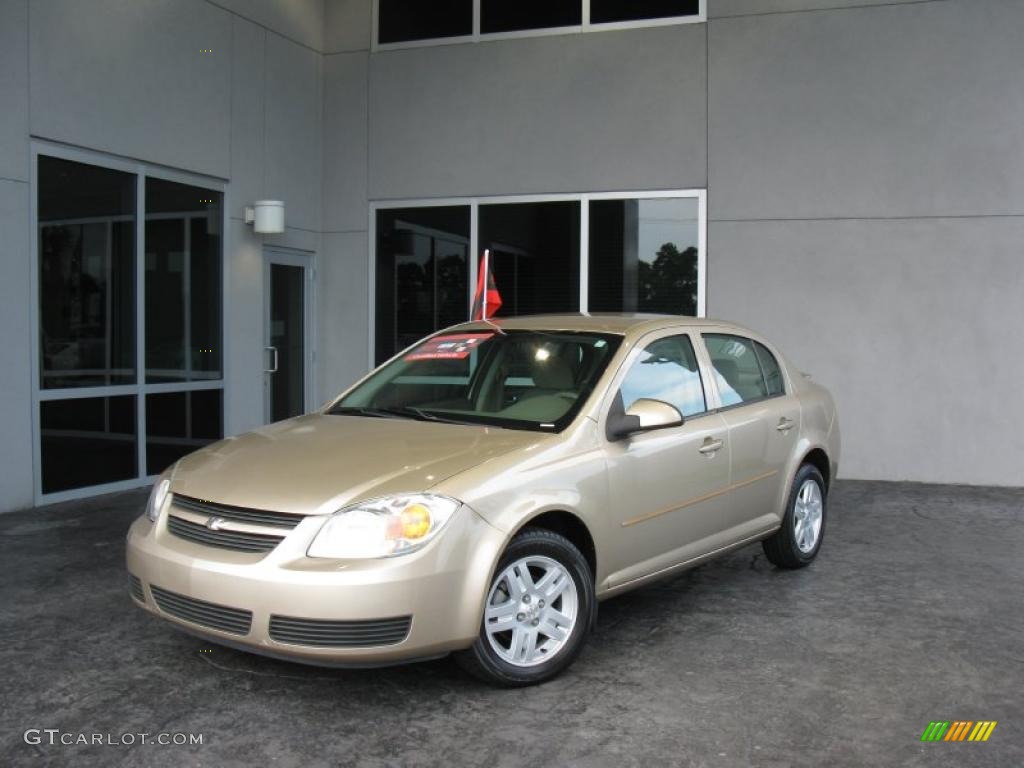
(623, 323)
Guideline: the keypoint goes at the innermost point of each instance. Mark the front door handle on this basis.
(710, 446)
(785, 424)
(273, 368)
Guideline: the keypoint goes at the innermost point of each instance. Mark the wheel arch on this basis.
(817, 458)
(566, 524)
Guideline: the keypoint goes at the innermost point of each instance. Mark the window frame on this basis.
(474, 203)
(140, 388)
(587, 26)
(712, 371)
(758, 346)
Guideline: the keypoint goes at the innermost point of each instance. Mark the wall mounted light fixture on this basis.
(266, 216)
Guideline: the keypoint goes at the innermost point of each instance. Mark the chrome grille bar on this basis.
(339, 634)
(221, 617)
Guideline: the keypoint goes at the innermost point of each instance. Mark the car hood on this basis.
(317, 464)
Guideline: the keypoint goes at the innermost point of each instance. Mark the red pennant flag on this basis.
(486, 300)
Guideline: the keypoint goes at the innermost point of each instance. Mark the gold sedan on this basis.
(480, 492)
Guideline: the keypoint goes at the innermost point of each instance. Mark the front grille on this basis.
(136, 587)
(233, 620)
(237, 514)
(236, 540)
(339, 634)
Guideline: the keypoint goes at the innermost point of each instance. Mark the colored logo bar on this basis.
(958, 730)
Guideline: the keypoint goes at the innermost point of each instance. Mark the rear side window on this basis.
(666, 370)
(737, 370)
(770, 367)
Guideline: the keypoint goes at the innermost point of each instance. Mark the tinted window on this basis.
(86, 275)
(404, 20)
(666, 370)
(737, 371)
(535, 255)
(643, 255)
(422, 273)
(87, 441)
(178, 423)
(770, 367)
(603, 11)
(515, 15)
(183, 282)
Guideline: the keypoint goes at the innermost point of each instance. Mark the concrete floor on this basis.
(913, 612)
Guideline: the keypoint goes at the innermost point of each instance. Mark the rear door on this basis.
(763, 422)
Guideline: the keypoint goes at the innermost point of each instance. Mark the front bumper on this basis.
(440, 588)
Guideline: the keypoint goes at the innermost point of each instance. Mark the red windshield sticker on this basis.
(455, 346)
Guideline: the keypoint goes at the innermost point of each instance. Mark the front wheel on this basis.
(539, 608)
(797, 542)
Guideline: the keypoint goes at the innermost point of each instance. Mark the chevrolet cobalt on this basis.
(484, 489)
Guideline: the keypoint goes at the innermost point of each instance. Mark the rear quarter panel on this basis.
(819, 427)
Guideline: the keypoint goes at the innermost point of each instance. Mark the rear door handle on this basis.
(710, 446)
(785, 424)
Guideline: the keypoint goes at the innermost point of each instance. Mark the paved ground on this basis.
(913, 612)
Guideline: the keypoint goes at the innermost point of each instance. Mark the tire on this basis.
(798, 541)
(559, 599)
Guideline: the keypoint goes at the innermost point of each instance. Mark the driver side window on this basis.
(666, 370)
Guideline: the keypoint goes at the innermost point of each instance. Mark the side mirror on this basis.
(644, 415)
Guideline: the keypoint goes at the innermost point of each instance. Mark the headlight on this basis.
(157, 497)
(393, 525)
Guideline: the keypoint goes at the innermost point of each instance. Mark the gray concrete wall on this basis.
(347, 25)
(343, 276)
(866, 201)
(301, 21)
(602, 111)
(15, 339)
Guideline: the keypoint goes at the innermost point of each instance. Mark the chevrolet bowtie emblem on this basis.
(215, 523)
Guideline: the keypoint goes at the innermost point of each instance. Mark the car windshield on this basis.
(513, 378)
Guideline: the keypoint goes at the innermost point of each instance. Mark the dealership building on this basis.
(844, 176)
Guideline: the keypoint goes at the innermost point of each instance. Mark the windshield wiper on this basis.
(404, 412)
(427, 416)
(362, 410)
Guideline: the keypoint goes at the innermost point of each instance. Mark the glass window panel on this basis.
(643, 255)
(737, 371)
(666, 370)
(87, 441)
(516, 15)
(178, 423)
(288, 338)
(86, 275)
(772, 372)
(183, 282)
(603, 11)
(535, 255)
(405, 20)
(422, 274)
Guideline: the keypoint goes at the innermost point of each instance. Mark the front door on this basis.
(668, 489)
(287, 333)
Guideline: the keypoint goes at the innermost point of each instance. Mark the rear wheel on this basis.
(539, 608)
(797, 542)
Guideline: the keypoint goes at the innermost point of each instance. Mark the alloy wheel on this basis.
(531, 611)
(807, 515)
